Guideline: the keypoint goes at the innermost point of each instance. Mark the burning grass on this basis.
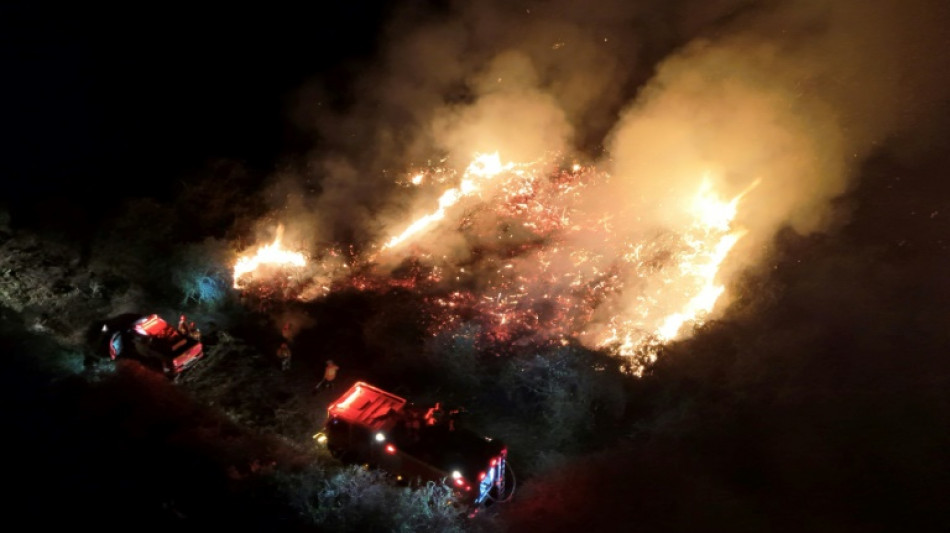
(516, 249)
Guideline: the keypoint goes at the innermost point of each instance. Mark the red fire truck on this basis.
(154, 341)
(371, 426)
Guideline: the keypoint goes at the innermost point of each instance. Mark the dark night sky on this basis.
(106, 104)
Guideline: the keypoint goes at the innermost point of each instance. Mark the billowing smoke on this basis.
(511, 116)
(795, 96)
(521, 78)
(773, 104)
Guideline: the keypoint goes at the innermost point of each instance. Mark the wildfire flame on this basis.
(482, 169)
(269, 254)
(687, 291)
(708, 243)
(711, 243)
(547, 269)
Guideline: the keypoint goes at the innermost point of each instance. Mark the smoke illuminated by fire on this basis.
(270, 254)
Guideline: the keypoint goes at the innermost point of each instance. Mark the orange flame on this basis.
(269, 254)
(627, 297)
(683, 293)
(708, 244)
(483, 168)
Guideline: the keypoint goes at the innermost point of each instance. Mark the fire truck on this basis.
(154, 341)
(368, 425)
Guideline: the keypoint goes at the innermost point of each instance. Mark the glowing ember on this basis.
(270, 254)
(542, 269)
(555, 290)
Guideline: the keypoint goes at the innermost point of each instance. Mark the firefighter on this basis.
(183, 325)
(329, 375)
(194, 332)
(435, 415)
(283, 354)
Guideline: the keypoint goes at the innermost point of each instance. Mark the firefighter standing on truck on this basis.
(194, 332)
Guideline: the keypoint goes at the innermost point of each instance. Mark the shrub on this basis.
(134, 245)
(357, 499)
(453, 357)
(563, 400)
(200, 273)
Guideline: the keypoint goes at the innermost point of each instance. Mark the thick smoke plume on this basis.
(780, 102)
(795, 95)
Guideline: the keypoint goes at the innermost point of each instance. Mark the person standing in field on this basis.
(329, 376)
(283, 354)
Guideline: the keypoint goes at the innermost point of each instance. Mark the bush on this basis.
(134, 245)
(357, 499)
(454, 357)
(200, 273)
(569, 396)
